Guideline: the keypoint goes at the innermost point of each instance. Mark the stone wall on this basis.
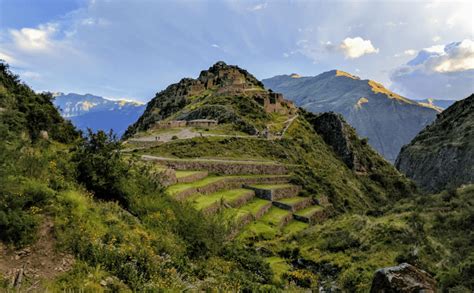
(223, 168)
(295, 207)
(228, 183)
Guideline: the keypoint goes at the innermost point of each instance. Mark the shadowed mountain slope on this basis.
(388, 120)
(442, 155)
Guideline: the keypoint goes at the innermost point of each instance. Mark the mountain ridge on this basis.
(441, 156)
(387, 119)
(96, 112)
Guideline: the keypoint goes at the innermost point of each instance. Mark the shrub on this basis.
(100, 166)
(19, 206)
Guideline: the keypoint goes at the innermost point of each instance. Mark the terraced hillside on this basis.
(230, 148)
(258, 206)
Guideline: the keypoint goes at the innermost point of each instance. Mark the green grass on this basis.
(278, 265)
(294, 227)
(181, 174)
(274, 216)
(203, 201)
(292, 200)
(254, 205)
(176, 188)
(307, 212)
(259, 230)
(271, 186)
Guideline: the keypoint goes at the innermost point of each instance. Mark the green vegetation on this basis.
(106, 210)
(307, 212)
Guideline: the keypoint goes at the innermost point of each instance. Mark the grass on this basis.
(278, 265)
(254, 205)
(203, 201)
(274, 216)
(271, 186)
(182, 174)
(294, 227)
(176, 188)
(259, 230)
(307, 212)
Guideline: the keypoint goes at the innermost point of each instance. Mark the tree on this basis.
(100, 166)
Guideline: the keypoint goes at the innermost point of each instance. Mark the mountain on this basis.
(440, 104)
(89, 111)
(249, 194)
(388, 120)
(442, 155)
(252, 123)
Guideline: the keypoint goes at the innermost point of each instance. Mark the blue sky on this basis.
(134, 48)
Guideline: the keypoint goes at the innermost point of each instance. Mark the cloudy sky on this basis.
(134, 48)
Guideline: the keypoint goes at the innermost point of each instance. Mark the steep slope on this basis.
(388, 120)
(442, 155)
(98, 113)
(256, 124)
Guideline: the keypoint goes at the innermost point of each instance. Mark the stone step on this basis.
(276, 217)
(252, 210)
(295, 226)
(293, 204)
(222, 166)
(213, 184)
(313, 214)
(274, 192)
(190, 176)
(216, 201)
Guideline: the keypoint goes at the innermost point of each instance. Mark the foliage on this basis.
(100, 167)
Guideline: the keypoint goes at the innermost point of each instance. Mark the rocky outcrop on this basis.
(337, 133)
(212, 88)
(442, 155)
(403, 278)
(388, 120)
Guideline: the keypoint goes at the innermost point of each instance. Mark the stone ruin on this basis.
(184, 123)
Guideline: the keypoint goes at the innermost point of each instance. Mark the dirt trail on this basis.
(27, 267)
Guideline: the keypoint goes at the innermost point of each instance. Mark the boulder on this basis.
(403, 278)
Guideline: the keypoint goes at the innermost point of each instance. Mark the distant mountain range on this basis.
(440, 104)
(90, 111)
(387, 119)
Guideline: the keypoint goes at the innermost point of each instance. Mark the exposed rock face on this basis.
(403, 278)
(388, 120)
(219, 81)
(442, 155)
(336, 133)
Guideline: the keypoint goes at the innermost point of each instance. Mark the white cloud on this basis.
(260, 6)
(436, 38)
(357, 47)
(410, 52)
(456, 57)
(215, 46)
(8, 58)
(434, 68)
(34, 39)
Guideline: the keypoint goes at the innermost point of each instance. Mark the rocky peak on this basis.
(221, 75)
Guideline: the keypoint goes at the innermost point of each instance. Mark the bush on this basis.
(19, 206)
(100, 166)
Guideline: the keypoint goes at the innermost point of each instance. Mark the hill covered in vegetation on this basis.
(442, 155)
(266, 197)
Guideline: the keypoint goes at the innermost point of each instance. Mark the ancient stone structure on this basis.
(403, 278)
(170, 124)
(202, 123)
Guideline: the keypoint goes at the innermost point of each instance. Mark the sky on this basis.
(134, 48)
